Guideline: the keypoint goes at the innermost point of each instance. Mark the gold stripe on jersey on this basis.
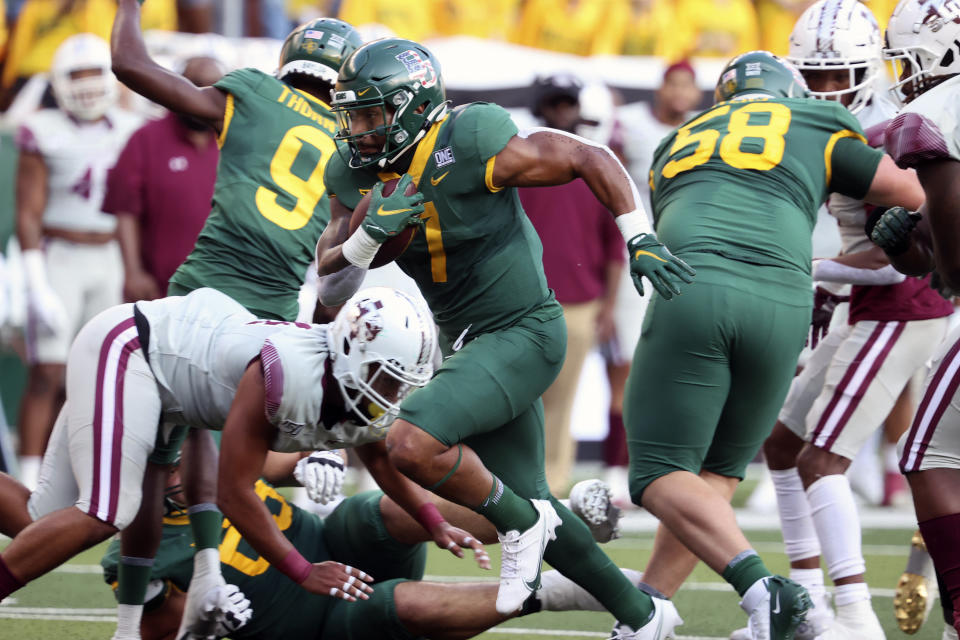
(227, 117)
(424, 151)
(488, 176)
(831, 143)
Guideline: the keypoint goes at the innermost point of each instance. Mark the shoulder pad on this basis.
(912, 138)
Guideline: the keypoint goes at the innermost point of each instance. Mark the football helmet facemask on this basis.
(760, 72)
(400, 78)
(80, 74)
(922, 45)
(842, 34)
(318, 48)
(382, 343)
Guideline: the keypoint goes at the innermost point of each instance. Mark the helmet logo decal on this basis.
(753, 69)
(418, 68)
(368, 320)
(310, 46)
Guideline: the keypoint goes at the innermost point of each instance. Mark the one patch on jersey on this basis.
(418, 68)
(443, 157)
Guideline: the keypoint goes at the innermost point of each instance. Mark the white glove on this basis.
(223, 610)
(43, 302)
(322, 475)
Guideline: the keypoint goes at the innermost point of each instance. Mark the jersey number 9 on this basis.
(306, 192)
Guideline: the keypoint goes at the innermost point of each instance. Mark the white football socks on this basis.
(799, 535)
(128, 621)
(838, 526)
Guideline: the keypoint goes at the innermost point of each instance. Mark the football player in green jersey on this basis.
(269, 208)
(735, 192)
(474, 433)
(368, 532)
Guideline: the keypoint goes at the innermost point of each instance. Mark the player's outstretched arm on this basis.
(892, 186)
(941, 183)
(415, 500)
(543, 157)
(247, 436)
(134, 67)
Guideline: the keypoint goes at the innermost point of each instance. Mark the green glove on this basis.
(893, 229)
(648, 257)
(388, 216)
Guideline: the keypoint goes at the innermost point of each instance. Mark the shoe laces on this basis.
(510, 548)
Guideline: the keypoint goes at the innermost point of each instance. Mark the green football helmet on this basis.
(760, 72)
(399, 77)
(318, 48)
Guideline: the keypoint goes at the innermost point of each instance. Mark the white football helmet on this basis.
(839, 34)
(923, 37)
(88, 96)
(389, 328)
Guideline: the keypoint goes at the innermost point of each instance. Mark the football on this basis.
(392, 248)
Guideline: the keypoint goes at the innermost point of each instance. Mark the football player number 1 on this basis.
(738, 128)
(306, 192)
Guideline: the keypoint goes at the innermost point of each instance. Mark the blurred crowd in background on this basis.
(671, 29)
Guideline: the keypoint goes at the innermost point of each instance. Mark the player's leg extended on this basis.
(691, 379)
(107, 429)
(40, 404)
(930, 459)
(14, 516)
(864, 380)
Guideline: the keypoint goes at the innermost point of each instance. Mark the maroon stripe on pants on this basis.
(845, 380)
(98, 412)
(924, 405)
(116, 455)
(864, 385)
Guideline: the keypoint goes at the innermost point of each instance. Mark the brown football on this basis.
(392, 248)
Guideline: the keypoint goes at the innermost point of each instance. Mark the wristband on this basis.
(360, 248)
(295, 566)
(429, 516)
(633, 224)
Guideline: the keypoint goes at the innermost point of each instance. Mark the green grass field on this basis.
(74, 604)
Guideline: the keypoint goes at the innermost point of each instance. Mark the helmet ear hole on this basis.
(346, 346)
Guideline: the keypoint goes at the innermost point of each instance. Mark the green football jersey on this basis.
(269, 201)
(293, 611)
(477, 259)
(745, 178)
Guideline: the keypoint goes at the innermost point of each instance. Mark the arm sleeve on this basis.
(852, 165)
(830, 271)
(125, 184)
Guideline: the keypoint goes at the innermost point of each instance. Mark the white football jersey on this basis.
(928, 128)
(77, 155)
(851, 214)
(201, 344)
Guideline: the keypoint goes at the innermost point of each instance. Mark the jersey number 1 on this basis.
(306, 192)
(738, 128)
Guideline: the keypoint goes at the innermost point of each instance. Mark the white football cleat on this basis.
(592, 502)
(819, 619)
(660, 627)
(559, 593)
(855, 621)
(522, 558)
(776, 606)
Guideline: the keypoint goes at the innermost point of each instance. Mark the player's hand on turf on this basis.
(321, 474)
(338, 581)
(824, 304)
(387, 216)
(651, 259)
(454, 539)
(893, 229)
